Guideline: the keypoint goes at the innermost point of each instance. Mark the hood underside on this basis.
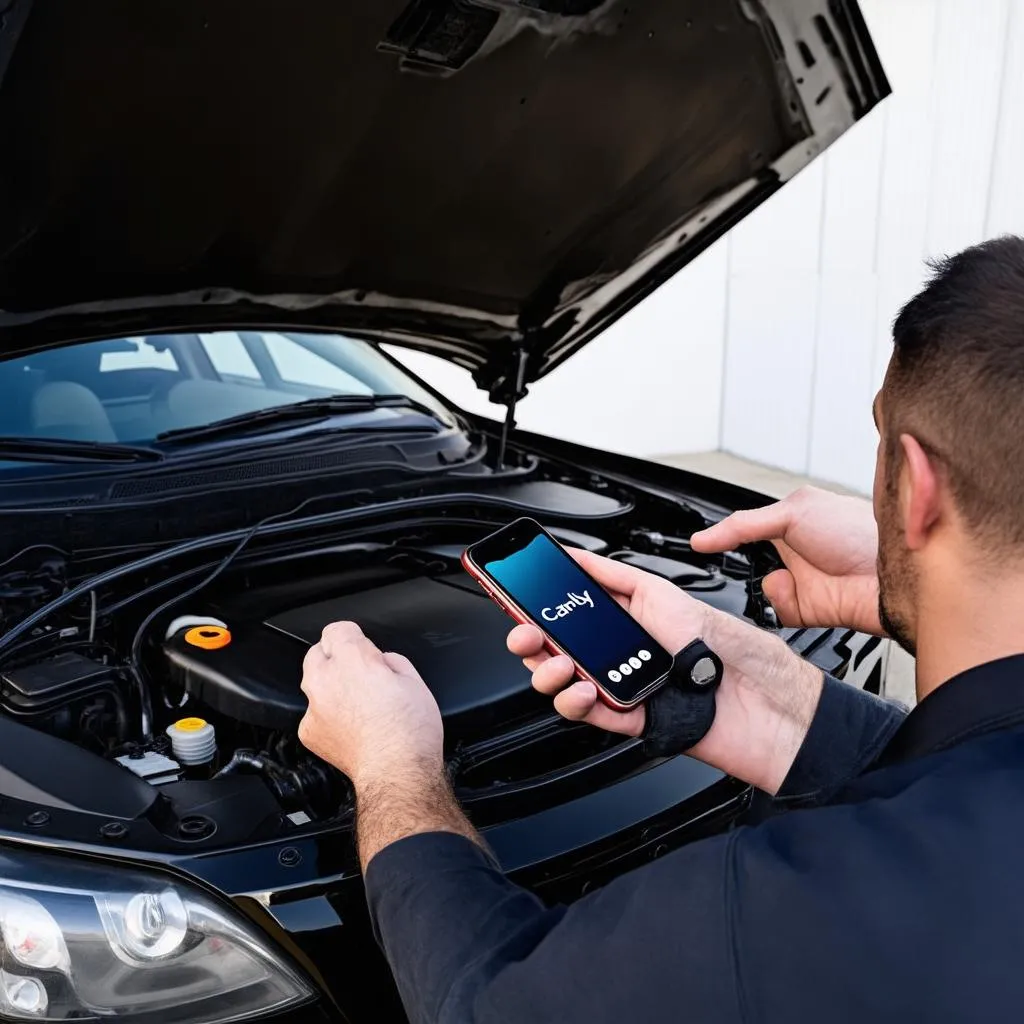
(475, 178)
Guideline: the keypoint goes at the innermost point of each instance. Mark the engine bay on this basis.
(171, 683)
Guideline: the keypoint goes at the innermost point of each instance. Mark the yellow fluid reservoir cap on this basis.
(210, 638)
(193, 741)
(190, 724)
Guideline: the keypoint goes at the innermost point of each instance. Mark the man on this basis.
(891, 887)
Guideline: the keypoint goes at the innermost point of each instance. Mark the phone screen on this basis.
(581, 617)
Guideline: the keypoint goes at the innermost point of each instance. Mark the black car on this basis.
(213, 215)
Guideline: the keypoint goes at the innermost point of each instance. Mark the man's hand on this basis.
(372, 717)
(369, 713)
(829, 545)
(764, 704)
(669, 615)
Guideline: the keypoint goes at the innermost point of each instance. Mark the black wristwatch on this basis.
(680, 714)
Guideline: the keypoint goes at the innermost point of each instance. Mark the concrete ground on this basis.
(774, 482)
(899, 681)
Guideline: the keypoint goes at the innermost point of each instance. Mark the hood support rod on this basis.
(518, 375)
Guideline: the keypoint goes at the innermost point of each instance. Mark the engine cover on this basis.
(445, 625)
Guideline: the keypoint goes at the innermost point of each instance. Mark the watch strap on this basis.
(680, 714)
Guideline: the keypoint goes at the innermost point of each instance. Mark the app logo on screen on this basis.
(567, 607)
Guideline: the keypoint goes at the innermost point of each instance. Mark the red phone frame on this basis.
(504, 601)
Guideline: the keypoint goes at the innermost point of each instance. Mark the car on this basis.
(220, 222)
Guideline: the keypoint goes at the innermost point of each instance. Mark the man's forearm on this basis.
(766, 704)
(395, 802)
(789, 730)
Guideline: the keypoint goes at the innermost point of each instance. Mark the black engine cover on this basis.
(445, 625)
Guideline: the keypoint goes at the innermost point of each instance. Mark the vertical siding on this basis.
(773, 267)
(937, 167)
(969, 53)
(1006, 194)
(846, 298)
(905, 33)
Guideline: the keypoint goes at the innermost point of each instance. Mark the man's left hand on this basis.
(370, 713)
(372, 717)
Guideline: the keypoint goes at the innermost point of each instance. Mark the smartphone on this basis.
(527, 572)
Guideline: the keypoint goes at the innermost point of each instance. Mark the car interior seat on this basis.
(191, 403)
(17, 384)
(71, 411)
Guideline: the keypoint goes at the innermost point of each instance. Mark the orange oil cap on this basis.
(210, 638)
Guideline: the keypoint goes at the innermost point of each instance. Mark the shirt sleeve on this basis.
(850, 729)
(795, 919)
(468, 946)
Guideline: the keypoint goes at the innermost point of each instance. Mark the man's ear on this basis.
(919, 493)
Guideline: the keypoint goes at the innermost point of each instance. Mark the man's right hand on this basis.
(766, 699)
(829, 544)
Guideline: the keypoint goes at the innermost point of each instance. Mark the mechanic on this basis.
(889, 885)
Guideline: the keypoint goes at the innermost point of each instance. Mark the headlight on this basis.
(81, 942)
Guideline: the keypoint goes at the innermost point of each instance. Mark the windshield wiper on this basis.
(311, 410)
(53, 449)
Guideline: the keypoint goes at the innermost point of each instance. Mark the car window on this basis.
(145, 356)
(131, 390)
(229, 356)
(298, 365)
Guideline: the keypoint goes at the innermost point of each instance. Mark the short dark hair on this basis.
(956, 382)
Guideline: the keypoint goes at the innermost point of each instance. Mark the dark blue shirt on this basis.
(891, 889)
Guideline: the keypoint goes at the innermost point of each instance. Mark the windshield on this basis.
(131, 390)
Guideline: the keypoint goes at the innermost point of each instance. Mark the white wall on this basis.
(772, 343)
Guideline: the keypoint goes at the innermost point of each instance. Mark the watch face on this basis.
(703, 672)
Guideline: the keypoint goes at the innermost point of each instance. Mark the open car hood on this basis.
(493, 181)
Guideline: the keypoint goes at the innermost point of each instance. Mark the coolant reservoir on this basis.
(193, 741)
